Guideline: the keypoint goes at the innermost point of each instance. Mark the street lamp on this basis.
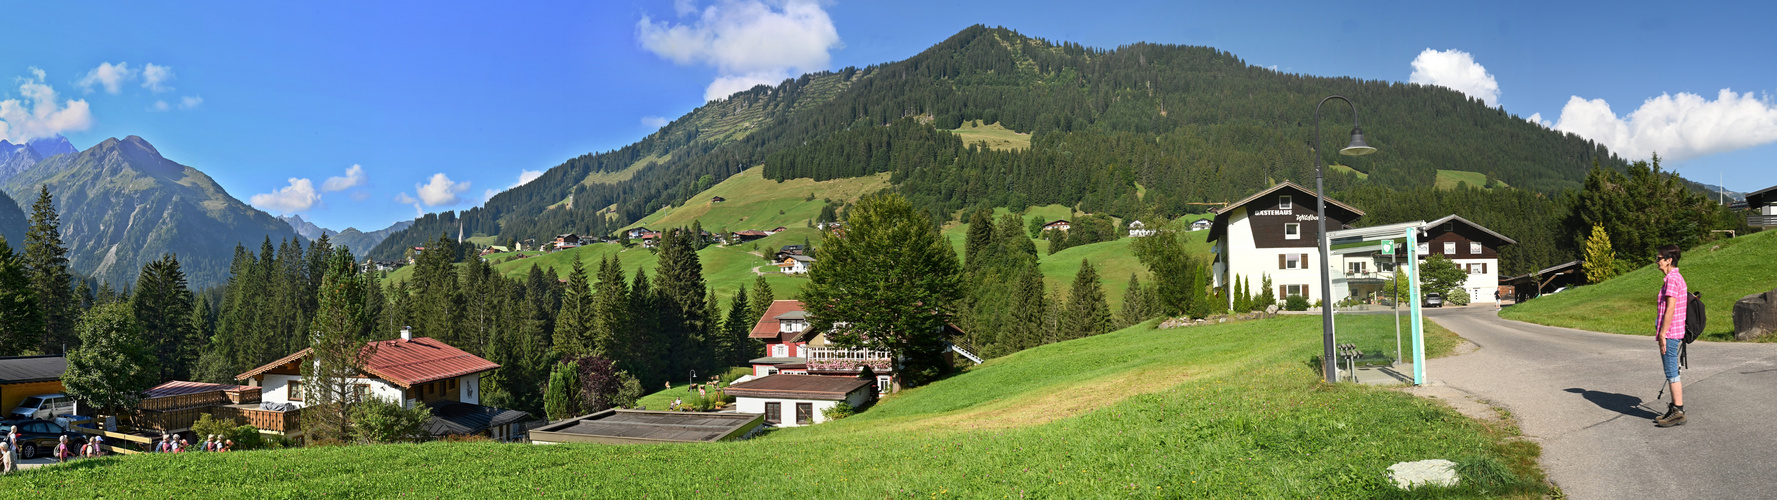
(1356, 148)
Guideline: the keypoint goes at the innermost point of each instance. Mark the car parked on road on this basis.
(38, 438)
(43, 406)
(1434, 300)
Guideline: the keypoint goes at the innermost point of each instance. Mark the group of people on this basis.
(172, 443)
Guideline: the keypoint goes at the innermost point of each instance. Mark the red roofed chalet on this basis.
(791, 347)
(413, 371)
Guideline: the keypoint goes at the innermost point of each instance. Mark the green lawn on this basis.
(1224, 411)
(1625, 304)
(1360, 175)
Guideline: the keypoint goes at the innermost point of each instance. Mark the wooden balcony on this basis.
(1761, 220)
(265, 420)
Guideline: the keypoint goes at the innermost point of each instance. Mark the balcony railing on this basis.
(1761, 220)
(828, 359)
(279, 421)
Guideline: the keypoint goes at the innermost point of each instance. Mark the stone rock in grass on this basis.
(1436, 472)
(1755, 315)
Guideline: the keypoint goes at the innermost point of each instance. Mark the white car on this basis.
(45, 407)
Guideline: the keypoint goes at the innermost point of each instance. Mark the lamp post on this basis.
(1356, 148)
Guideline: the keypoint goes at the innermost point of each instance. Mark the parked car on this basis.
(44, 406)
(39, 437)
(1434, 300)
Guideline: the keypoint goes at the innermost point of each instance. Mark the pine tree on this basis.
(1267, 293)
(738, 327)
(1601, 261)
(610, 313)
(338, 350)
(678, 281)
(761, 298)
(573, 323)
(1030, 312)
(562, 398)
(46, 263)
(21, 319)
(980, 236)
(648, 363)
(1087, 312)
(1135, 303)
(162, 306)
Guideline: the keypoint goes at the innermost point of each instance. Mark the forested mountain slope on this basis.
(13, 223)
(1190, 124)
(121, 205)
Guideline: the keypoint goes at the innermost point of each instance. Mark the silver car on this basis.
(45, 407)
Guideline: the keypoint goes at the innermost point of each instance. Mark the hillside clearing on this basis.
(1449, 179)
(1226, 411)
(754, 202)
(992, 135)
(1724, 271)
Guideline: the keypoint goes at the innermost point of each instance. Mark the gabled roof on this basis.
(1761, 197)
(1221, 221)
(767, 327)
(1457, 218)
(26, 369)
(452, 417)
(798, 387)
(404, 362)
(1056, 222)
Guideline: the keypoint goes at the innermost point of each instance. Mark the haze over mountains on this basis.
(359, 241)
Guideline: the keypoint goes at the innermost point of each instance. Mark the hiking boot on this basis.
(1671, 409)
(1673, 419)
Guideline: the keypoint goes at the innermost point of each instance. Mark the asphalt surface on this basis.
(1589, 399)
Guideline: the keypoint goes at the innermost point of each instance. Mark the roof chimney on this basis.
(406, 333)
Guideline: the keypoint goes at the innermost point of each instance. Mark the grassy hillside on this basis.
(1229, 411)
(753, 202)
(1724, 271)
(725, 269)
(993, 135)
(1448, 179)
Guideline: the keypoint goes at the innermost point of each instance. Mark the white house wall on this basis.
(1242, 258)
(277, 389)
(1480, 286)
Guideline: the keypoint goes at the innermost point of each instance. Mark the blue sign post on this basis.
(1417, 322)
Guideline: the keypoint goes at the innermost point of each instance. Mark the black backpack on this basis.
(1695, 318)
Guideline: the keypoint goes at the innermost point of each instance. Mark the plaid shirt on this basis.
(1674, 288)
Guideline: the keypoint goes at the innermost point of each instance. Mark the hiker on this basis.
(183, 445)
(12, 438)
(8, 461)
(211, 443)
(166, 444)
(1674, 299)
(62, 451)
(227, 445)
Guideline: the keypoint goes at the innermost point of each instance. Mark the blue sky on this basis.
(275, 100)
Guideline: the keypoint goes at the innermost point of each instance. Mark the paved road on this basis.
(1588, 398)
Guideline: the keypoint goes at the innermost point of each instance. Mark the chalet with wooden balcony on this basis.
(409, 370)
(791, 347)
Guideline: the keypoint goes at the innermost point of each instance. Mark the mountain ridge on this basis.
(121, 204)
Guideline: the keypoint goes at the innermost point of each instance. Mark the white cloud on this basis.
(189, 102)
(1678, 127)
(154, 78)
(354, 177)
(1537, 118)
(37, 114)
(300, 195)
(360, 195)
(1458, 71)
(747, 41)
(404, 198)
(440, 191)
(653, 121)
(160, 106)
(526, 176)
(110, 76)
(488, 195)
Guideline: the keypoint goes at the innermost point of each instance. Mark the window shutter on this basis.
(1483, 268)
(1306, 294)
(1283, 291)
(1304, 261)
(1280, 261)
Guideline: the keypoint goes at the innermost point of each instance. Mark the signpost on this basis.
(1413, 295)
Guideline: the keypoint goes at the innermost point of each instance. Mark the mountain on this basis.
(1136, 129)
(305, 228)
(13, 223)
(361, 242)
(15, 158)
(121, 205)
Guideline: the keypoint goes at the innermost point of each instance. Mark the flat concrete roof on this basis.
(648, 427)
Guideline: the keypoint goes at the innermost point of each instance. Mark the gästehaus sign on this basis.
(1287, 212)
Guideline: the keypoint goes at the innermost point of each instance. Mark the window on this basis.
(774, 413)
(1355, 267)
(1292, 261)
(804, 413)
(882, 385)
(1477, 268)
(1385, 266)
(1289, 290)
(1474, 248)
(1449, 248)
(771, 371)
(1292, 231)
(1285, 203)
(780, 351)
(452, 384)
(1425, 249)
(294, 390)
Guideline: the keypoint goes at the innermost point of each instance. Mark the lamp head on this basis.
(1357, 147)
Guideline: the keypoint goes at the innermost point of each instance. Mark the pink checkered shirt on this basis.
(1674, 289)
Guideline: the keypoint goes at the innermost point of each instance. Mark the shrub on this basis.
(1295, 303)
(378, 420)
(1458, 296)
(245, 437)
(838, 411)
